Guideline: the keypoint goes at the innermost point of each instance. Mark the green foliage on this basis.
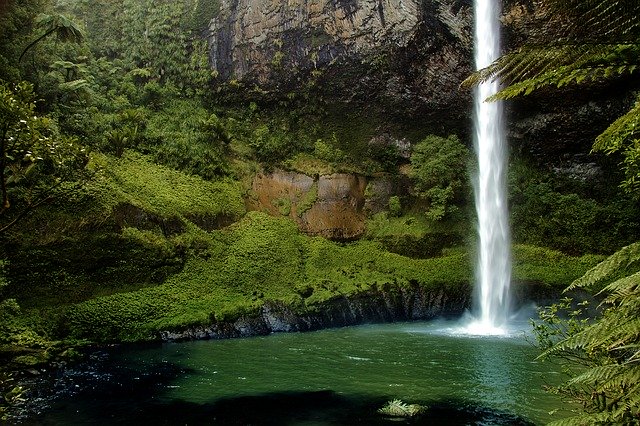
(623, 136)
(579, 43)
(549, 267)
(397, 408)
(328, 152)
(623, 263)
(308, 200)
(601, 355)
(184, 136)
(414, 235)
(17, 22)
(35, 160)
(283, 205)
(564, 214)
(162, 37)
(271, 145)
(64, 29)
(438, 169)
(262, 258)
(395, 208)
(135, 180)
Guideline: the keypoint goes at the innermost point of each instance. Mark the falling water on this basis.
(493, 271)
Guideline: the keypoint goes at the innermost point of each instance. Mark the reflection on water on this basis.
(493, 375)
(332, 377)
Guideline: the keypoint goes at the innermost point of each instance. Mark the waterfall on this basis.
(493, 271)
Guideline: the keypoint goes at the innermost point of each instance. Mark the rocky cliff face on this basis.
(405, 56)
(333, 206)
(381, 305)
(400, 61)
(378, 305)
(250, 37)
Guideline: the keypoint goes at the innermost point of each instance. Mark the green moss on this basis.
(414, 235)
(156, 189)
(308, 200)
(283, 205)
(266, 258)
(549, 267)
(309, 165)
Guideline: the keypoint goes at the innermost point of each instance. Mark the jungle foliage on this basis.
(601, 357)
(124, 172)
(439, 168)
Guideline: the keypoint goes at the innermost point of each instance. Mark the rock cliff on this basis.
(407, 56)
(400, 61)
(380, 305)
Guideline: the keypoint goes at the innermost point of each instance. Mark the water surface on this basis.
(336, 376)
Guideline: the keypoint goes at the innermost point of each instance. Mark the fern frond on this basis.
(597, 18)
(613, 139)
(622, 289)
(624, 259)
(600, 374)
(584, 419)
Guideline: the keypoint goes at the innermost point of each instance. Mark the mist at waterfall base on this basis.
(493, 272)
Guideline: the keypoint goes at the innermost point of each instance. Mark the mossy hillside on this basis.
(86, 245)
(134, 179)
(265, 258)
(184, 135)
(549, 268)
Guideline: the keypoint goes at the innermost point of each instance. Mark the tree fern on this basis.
(625, 259)
(607, 349)
(623, 135)
(64, 29)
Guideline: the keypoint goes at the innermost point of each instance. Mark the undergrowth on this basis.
(265, 258)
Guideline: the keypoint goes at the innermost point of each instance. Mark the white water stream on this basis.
(493, 272)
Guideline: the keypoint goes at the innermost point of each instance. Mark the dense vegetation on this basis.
(126, 167)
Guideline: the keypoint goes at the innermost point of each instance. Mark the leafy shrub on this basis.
(549, 212)
(327, 152)
(271, 146)
(137, 181)
(186, 137)
(439, 171)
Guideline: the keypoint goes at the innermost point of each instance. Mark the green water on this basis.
(337, 376)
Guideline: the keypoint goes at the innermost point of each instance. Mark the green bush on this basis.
(439, 171)
(266, 258)
(328, 152)
(136, 180)
(550, 211)
(186, 137)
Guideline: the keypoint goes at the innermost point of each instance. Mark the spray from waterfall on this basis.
(493, 271)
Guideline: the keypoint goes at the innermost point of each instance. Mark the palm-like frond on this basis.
(608, 348)
(625, 259)
(623, 289)
(64, 29)
(617, 19)
(580, 41)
